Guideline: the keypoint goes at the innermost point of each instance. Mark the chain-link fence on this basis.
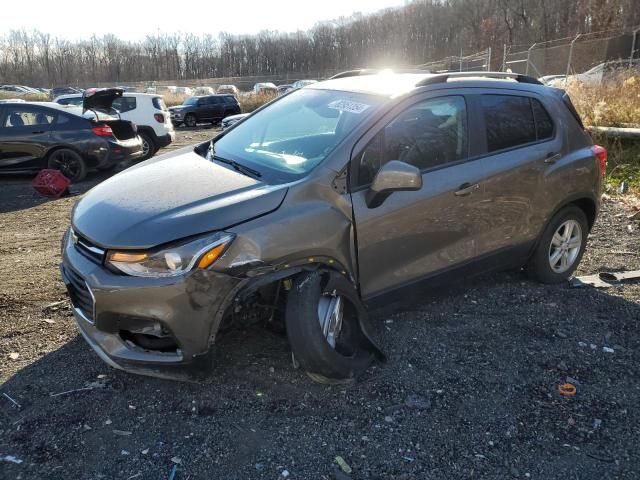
(463, 63)
(572, 55)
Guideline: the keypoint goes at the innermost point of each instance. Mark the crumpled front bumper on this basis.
(108, 306)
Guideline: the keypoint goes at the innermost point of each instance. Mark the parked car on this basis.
(228, 89)
(183, 91)
(553, 80)
(14, 89)
(36, 135)
(203, 91)
(606, 71)
(57, 91)
(232, 120)
(210, 108)
(282, 89)
(322, 202)
(147, 111)
(265, 89)
(303, 83)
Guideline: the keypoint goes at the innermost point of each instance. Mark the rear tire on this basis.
(327, 358)
(148, 146)
(560, 248)
(69, 162)
(190, 120)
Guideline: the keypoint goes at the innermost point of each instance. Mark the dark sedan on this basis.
(36, 135)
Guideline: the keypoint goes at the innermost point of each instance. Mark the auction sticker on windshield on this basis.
(348, 106)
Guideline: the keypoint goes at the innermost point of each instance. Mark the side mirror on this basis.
(393, 176)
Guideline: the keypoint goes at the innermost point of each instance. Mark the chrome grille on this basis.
(81, 296)
(88, 249)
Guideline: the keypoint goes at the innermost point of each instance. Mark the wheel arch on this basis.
(584, 201)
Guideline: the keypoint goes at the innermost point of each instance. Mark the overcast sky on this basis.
(133, 19)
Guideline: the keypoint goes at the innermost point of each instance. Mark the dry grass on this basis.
(173, 99)
(27, 98)
(613, 104)
(250, 102)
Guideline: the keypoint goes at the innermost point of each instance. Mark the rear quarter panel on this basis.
(574, 176)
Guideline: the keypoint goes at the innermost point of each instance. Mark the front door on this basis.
(414, 234)
(24, 135)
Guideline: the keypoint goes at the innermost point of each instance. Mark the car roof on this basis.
(391, 84)
(73, 109)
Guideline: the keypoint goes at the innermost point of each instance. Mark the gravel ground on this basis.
(470, 388)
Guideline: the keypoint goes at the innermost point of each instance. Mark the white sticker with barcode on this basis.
(348, 106)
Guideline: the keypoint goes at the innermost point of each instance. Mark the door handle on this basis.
(466, 189)
(38, 132)
(552, 158)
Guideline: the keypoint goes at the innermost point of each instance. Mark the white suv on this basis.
(147, 111)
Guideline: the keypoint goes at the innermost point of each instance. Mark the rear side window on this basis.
(124, 104)
(158, 103)
(544, 125)
(569, 104)
(509, 121)
(17, 117)
(230, 99)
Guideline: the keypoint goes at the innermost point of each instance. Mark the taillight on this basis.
(102, 131)
(159, 117)
(601, 155)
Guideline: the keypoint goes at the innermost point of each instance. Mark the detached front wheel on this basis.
(323, 318)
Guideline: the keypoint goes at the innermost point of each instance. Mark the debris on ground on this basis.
(605, 279)
(15, 404)
(10, 459)
(172, 475)
(344, 466)
(567, 389)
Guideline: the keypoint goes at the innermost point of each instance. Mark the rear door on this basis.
(217, 107)
(521, 144)
(24, 136)
(416, 234)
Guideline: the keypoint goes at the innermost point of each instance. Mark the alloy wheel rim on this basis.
(565, 246)
(145, 147)
(67, 164)
(330, 315)
(190, 121)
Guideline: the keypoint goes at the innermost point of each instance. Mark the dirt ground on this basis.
(470, 388)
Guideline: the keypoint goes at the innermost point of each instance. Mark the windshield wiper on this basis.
(250, 172)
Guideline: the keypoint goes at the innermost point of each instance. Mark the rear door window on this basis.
(19, 117)
(124, 104)
(509, 121)
(158, 103)
(544, 125)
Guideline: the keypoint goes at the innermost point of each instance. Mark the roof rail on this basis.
(443, 77)
(355, 73)
(374, 71)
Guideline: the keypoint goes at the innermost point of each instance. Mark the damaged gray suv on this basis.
(323, 201)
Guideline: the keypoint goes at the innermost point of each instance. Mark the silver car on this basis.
(324, 202)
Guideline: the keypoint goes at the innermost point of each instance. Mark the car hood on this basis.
(168, 198)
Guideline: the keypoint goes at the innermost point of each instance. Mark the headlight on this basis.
(172, 260)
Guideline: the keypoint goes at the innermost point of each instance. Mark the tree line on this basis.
(415, 33)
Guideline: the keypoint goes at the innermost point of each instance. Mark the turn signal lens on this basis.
(211, 256)
(127, 257)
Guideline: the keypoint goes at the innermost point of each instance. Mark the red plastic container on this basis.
(51, 183)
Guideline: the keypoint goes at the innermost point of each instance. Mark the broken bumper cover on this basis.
(115, 314)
